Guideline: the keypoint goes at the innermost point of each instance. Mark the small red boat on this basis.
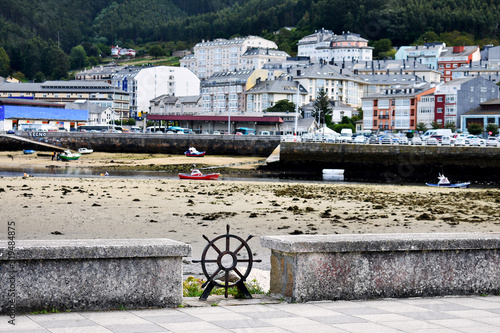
(196, 174)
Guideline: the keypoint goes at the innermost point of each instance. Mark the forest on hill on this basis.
(46, 38)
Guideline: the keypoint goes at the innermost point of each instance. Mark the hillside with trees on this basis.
(44, 39)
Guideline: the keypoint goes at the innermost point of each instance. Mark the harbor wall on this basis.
(393, 163)
(90, 274)
(243, 145)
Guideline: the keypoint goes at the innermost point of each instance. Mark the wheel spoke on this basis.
(227, 243)
(215, 248)
(211, 260)
(226, 280)
(238, 272)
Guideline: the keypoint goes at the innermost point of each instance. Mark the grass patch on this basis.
(192, 288)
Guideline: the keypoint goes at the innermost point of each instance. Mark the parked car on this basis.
(459, 142)
(359, 139)
(416, 141)
(431, 142)
(445, 140)
(473, 141)
(402, 139)
(11, 132)
(216, 133)
(492, 141)
(386, 140)
(373, 140)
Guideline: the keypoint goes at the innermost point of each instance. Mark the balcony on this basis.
(383, 116)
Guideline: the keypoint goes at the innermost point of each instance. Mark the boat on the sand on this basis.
(192, 152)
(67, 155)
(444, 182)
(196, 174)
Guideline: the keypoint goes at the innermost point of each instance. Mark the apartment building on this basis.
(454, 98)
(100, 93)
(340, 84)
(265, 94)
(167, 104)
(455, 57)
(426, 54)
(490, 70)
(393, 110)
(221, 55)
(394, 67)
(324, 45)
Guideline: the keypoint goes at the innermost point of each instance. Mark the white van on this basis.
(345, 135)
(438, 131)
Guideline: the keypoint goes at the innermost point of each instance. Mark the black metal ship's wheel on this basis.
(227, 260)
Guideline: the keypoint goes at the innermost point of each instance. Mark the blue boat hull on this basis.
(458, 185)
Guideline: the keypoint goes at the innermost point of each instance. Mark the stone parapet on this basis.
(347, 267)
(76, 275)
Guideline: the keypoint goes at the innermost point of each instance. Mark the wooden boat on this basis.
(196, 174)
(85, 151)
(28, 151)
(444, 182)
(192, 152)
(67, 155)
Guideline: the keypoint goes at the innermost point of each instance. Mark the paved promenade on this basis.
(430, 315)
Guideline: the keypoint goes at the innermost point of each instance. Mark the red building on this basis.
(454, 57)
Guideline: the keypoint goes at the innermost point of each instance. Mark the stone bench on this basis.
(91, 274)
(347, 267)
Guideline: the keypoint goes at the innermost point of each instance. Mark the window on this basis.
(440, 99)
(439, 110)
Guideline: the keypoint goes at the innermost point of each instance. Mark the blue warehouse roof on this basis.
(35, 113)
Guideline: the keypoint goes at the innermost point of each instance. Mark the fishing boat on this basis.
(192, 152)
(28, 151)
(67, 155)
(84, 150)
(444, 182)
(196, 174)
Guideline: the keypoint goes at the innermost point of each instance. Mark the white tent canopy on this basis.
(327, 131)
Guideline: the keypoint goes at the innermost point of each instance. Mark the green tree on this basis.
(283, 105)
(381, 47)
(78, 57)
(156, 51)
(451, 125)
(421, 127)
(4, 63)
(475, 129)
(58, 63)
(493, 128)
(435, 125)
(39, 77)
(321, 106)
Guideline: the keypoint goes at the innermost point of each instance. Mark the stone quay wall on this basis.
(244, 145)
(78, 275)
(349, 267)
(393, 163)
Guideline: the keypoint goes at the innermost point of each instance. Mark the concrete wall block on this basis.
(81, 275)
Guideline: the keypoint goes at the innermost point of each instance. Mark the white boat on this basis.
(85, 151)
(444, 182)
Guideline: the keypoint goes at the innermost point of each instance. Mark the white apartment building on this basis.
(327, 46)
(339, 83)
(223, 55)
(425, 109)
(145, 84)
(266, 93)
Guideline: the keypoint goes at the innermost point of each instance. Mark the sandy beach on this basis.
(107, 207)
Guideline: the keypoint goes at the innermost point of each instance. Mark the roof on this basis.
(239, 76)
(92, 86)
(390, 78)
(482, 66)
(36, 113)
(265, 51)
(391, 65)
(325, 71)
(263, 119)
(448, 51)
(276, 87)
(29, 102)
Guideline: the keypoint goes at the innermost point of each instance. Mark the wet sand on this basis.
(106, 207)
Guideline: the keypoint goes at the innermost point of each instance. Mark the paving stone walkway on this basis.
(429, 315)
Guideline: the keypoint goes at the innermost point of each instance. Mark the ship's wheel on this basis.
(227, 260)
